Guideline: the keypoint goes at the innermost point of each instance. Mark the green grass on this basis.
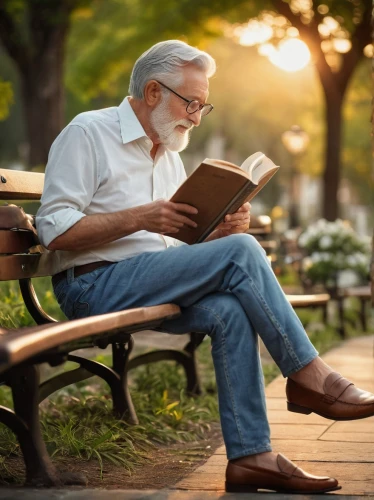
(13, 312)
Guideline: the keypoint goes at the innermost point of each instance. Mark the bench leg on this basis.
(25, 422)
(122, 402)
(341, 326)
(115, 378)
(363, 314)
(325, 314)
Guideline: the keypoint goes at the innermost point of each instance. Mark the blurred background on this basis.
(293, 81)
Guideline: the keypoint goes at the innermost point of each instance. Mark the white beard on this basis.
(164, 125)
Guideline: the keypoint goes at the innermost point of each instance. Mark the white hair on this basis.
(164, 61)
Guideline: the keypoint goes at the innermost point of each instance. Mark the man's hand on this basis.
(163, 216)
(235, 223)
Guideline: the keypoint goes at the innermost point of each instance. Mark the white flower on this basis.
(326, 241)
(304, 239)
(352, 260)
(321, 224)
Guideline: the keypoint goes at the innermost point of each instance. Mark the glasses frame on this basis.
(201, 106)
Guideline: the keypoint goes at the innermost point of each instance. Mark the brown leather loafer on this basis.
(341, 400)
(242, 476)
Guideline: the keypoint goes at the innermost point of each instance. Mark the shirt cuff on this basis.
(53, 225)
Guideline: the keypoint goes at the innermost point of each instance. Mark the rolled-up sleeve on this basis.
(71, 179)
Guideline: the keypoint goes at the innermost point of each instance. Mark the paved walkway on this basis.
(344, 450)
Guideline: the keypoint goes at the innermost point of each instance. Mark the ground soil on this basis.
(164, 467)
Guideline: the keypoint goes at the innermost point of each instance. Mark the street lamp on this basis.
(295, 141)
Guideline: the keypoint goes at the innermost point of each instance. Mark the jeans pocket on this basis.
(81, 310)
(87, 280)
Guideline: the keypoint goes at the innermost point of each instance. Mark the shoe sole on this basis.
(249, 488)
(307, 411)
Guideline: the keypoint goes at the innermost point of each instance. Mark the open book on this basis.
(217, 188)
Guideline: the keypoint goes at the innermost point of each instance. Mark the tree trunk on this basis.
(44, 100)
(37, 46)
(331, 176)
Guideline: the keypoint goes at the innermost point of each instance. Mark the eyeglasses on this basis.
(192, 106)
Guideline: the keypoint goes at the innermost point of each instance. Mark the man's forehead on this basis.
(195, 80)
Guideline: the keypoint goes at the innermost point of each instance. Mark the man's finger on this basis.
(237, 223)
(183, 207)
(181, 219)
(237, 216)
(244, 208)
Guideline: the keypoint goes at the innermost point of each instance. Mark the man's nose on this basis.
(195, 118)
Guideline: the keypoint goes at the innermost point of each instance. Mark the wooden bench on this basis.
(23, 349)
(363, 295)
(261, 229)
(318, 300)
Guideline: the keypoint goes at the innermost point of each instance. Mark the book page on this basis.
(257, 166)
(220, 163)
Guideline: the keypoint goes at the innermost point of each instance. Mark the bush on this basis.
(333, 248)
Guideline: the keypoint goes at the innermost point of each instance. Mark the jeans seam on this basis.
(271, 316)
(223, 325)
(251, 451)
(302, 364)
(199, 306)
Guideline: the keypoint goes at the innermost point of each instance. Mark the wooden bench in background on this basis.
(363, 295)
(261, 229)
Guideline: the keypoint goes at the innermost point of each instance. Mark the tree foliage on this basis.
(107, 36)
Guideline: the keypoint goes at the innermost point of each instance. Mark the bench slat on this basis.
(24, 343)
(16, 241)
(15, 267)
(308, 300)
(363, 292)
(20, 185)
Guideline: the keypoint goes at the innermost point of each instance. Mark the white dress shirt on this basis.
(101, 163)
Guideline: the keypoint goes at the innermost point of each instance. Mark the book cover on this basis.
(217, 188)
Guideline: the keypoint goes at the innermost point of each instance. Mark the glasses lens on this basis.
(193, 106)
(206, 109)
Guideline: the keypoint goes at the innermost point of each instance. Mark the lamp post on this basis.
(295, 141)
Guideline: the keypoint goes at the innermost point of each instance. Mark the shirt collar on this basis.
(131, 128)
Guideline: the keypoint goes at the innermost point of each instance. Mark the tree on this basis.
(34, 33)
(357, 17)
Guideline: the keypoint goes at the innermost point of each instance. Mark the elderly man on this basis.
(104, 215)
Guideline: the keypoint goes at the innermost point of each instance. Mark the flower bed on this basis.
(335, 254)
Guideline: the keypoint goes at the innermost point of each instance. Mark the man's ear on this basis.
(152, 93)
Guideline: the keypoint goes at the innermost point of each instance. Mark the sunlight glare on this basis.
(368, 50)
(254, 32)
(342, 45)
(267, 49)
(292, 31)
(291, 55)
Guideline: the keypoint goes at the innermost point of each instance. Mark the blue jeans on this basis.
(226, 289)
